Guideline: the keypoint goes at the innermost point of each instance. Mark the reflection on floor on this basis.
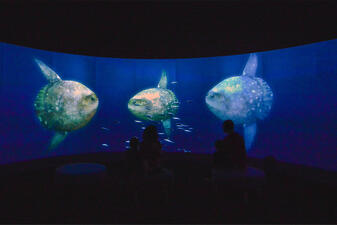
(33, 198)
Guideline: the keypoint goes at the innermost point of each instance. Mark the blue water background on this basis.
(301, 127)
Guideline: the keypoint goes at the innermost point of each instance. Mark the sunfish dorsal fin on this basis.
(56, 140)
(49, 74)
(251, 66)
(163, 80)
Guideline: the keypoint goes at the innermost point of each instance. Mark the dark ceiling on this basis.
(166, 29)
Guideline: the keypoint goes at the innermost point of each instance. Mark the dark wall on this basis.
(166, 29)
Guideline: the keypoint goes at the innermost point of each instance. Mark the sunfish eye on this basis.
(90, 98)
(214, 95)
(139, 102)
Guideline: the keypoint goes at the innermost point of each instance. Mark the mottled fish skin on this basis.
(154, 103)
(243, 99)
(65, 105)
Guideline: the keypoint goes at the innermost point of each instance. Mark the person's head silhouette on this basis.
(150, 133)
(228, 126)
(134, 143)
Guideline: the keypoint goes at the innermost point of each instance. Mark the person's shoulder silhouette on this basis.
(231, 152)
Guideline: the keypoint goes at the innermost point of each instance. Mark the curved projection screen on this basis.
(283, 102)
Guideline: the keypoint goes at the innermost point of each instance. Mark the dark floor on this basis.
(33, 198)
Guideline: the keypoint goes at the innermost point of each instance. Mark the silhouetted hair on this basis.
(150, 133)
(228, 126)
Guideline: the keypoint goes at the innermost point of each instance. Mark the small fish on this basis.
(175, 106)
(105, 145)
(174, 82)
(143, 128)
(138, 121)
(127, 141)
(188, 131)
(168, 140)
(180, 128)
(150, 117)
(104, 128)
(182, 125)
(176, 118)
(161, 133)
(186, 151)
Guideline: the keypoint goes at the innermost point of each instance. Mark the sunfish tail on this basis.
(249, 135)
(56, 140)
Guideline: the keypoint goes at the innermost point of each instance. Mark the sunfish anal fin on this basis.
(251, 66)
(57, 139)
(49, 74)
(249, 134)
(167, 127)
(163, 80)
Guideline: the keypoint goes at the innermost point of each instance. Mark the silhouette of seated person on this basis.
(133, 160)
(230, 152)
(157, 181)
(150, 150)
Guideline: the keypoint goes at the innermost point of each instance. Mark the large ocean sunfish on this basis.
(155, 104)
(63, 105)
(243, 99)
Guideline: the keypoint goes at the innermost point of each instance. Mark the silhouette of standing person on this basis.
(230, 151)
